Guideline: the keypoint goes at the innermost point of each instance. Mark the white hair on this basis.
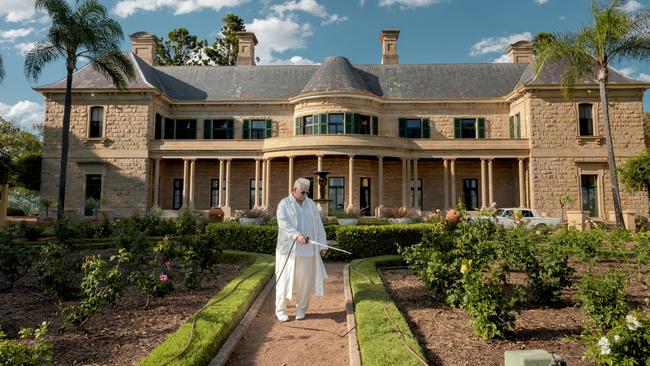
(301, 183)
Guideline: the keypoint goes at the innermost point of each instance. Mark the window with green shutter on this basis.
(322, 123)
(518, 133)
(230, 129)
(207, 129)
(348, 123)
(298, 127)
(426, 128)
(169, 128)
(457, 128)
(469, 128)
(258, 128)
(375, 125)
(402, 127)
(481, 128)
(511, 126)
(185, 129)
(413, 128)
(269, 128)
(218, 129)
(335, 124)
(246, 130)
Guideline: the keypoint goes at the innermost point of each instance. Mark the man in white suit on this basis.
(298, 264)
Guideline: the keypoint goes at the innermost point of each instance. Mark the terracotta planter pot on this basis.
(215, 214)
(452, 215)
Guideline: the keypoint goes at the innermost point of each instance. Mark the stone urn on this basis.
(250, 220)
(452, 215)
(215, 214)
(348, 221)
(400, 220)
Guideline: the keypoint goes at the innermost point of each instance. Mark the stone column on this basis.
(527, 174)
(409, 183)
(263, 182)
(350, 179)
(490, 182)
(319, 168)
(452, 171)
(191, 185)
(404, 183)
(416, 202)
(445, 182)
(267, 182)
(156, 184)
(290, 174)
(256, 198)
(221, 185)
(228, 183)
(380, 186)
(484, 202)
(185, 182)
(522, 192)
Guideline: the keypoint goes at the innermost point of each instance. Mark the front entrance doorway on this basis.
(364, 197)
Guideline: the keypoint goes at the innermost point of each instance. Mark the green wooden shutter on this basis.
(375, 125)
(402, 127)
(207, 129)
(518, 125)
(322, 123)
(230, 132)
(269, 128)
(158, 127)
(356, 123)
(348, 123)
(193, 129)
(298, 126)
(457, 128)
(481, 128)
(512, 127)
(246, 131)
(426, 128)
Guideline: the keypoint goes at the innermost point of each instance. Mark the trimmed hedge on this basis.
(245, 238)
(379, 343)
(215, 323)
(374, 240)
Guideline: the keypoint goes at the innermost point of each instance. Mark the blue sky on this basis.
(306, 31)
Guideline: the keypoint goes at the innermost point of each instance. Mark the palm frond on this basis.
(116, 67)
(58, 10)
(40, 55)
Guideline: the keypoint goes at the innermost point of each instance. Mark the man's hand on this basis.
(322, 252)
(301, 239)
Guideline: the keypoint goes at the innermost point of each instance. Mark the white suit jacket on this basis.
(287, 215)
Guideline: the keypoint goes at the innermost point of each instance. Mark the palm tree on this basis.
(81, 34)
(615, 34)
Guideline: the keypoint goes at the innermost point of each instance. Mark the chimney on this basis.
(144, 46)
(247, 42)
(520, 52)
(388, 40)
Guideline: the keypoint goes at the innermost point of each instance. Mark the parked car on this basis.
(532, 218)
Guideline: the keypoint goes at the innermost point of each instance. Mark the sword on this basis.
(327, 246)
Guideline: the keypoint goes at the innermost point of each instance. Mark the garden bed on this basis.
(445, 335)
(120, 336)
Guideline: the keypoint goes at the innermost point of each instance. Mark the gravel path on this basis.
(319, 339)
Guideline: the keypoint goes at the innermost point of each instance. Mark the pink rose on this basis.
(168, 264)
(163, 277)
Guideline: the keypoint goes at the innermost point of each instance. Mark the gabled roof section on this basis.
(87, 78)
(336, 74)
(551, 74)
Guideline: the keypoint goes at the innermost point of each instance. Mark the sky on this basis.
(307, 31)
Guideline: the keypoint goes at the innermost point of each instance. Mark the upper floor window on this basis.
(96, 122)
(335, 124)
(585, 118)
(218, 129)
(180, 129)
(158, 127)
(515, 126)
(257, 129)
(414, 128)
(469, 128)
(309, 125)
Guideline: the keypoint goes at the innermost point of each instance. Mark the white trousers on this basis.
(304, 284)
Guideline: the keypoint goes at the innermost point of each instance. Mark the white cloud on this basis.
(497, 44)
(629, 72)
(501, 59)
(11, 34)
(631, 6)
(643, 77)
(17, 10)
(25, 113)
(24, 47)
(405, 4)
(626, 71)
(295, 60)
(308, 6)
(126, 8)
(362, 3)
(541, 2)
(562, 17)
(276, 35)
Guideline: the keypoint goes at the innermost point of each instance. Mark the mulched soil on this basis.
(121, 336)
(448, 339)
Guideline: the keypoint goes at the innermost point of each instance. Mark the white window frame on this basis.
(104, 119)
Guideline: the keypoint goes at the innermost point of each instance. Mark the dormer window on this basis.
(96, 123)
(585, 119)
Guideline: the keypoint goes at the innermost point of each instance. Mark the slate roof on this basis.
(336, 74)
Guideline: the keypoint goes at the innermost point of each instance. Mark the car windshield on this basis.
(500, 212)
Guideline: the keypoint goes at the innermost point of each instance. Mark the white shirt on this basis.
(306, 228)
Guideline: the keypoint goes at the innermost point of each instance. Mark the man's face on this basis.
(300, 193)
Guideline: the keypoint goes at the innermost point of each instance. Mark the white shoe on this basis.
(300, 314)
(283, 317)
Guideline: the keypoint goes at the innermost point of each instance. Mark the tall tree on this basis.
(83, 33)
(21, 153)
(614, 34)
(180, 48)
(224, 51)
(2, 69)
(635, 174)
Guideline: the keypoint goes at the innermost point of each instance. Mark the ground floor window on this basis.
(589, 187)
(214, 193)
(251, 195)
(470, 193)
(177, 195)
(364, 197)
(416, 193)
(93, 193)
(336, 195)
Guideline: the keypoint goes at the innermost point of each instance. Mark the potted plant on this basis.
(47, 220)
(93, 205)
(565, 199)
(401, 215)
(255, 216)
(350, 216)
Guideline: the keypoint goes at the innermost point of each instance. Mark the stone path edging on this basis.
(229, 346)
(353, 345)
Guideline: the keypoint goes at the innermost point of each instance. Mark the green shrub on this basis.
(628, 343)
(31, 231)
(57, 270)
(603, 298)
(246, 238)
(187, 222)
(13, 211)
(549, 275)
(375, 240)
(641, 252)
(15, 261)
(71, 230)
(31, 350)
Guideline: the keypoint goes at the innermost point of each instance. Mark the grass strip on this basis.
(215, 323)
(379, 342)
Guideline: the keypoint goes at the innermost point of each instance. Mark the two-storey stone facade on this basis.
(390, 135)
